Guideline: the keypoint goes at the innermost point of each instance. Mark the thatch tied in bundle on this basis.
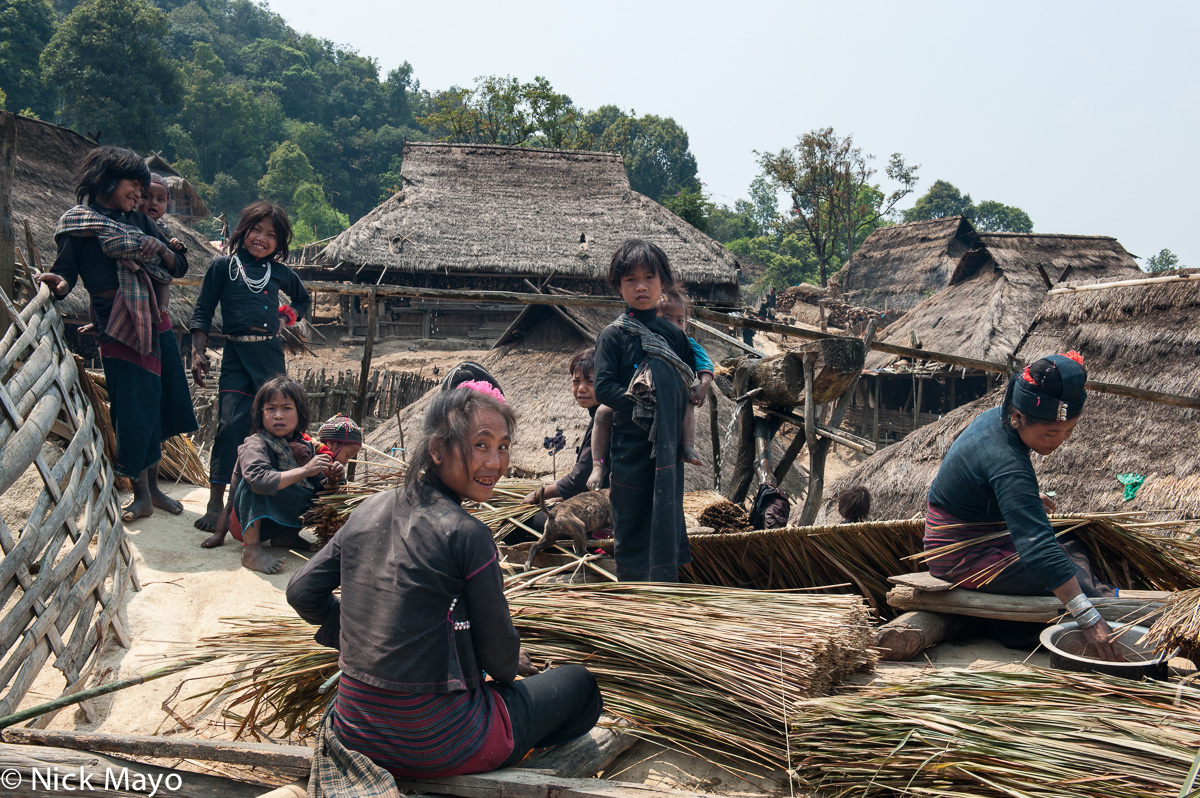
(44, 187)
(505, 213)
(1145, 336)
(899, 266)
(530, 363)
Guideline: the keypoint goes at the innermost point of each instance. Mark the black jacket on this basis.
(241, 311)
(618, 354)
(402, 560)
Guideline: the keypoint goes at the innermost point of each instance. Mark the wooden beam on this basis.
(1075, 289)
(8, 241)
(1032, 609)
(729, 339)
(518, 783)
(825, 431)
(905, 637)
(517, 298)
(584, 756)
(265, 755)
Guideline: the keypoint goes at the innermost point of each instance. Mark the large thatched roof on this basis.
(1146, 336)
(996, 289)
(900, 265)
(473, 209)
(44, 187)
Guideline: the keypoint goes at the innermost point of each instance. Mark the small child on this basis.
(341, 438)
(644, 371)
(672, 306)
(154, 202)
(278, 473)
(854, 504)
(246, 284)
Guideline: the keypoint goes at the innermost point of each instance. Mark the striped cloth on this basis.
(641, 389)
(423, 734)
(971, 566)
(338, 772)
(135, 315)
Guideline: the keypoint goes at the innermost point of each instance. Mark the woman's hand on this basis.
(317, 465)
(57, 283)
(1099, 643)
(201, 367)
(152, 246)
(596, 478)
(535, 497)
(525, 666)
(1047, 503)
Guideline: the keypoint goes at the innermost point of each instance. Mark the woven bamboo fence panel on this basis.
(63, 575)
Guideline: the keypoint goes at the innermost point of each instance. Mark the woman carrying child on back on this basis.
(279, 471)
(127, 267)
(422, 615)
(246, 284)
(645, 369)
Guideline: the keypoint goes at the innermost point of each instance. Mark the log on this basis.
(519, 783)
(8, 241)
(583, 757)
(125, 778)
(297, 789)
(905, 637)
(1030, 609)
(265, 755)
(838, 361)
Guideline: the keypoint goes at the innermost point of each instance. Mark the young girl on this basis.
(127, 267)
(341, 438)
(644, 371)
(246, 284)
(422, 614)
(278, 473)
(672, 306)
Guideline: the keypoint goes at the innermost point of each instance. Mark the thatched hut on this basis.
(1145, 336)
(900, 265)
(186, 204)
(489, 217)
(991, 300)
(44, 187)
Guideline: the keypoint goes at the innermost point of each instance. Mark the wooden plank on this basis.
(266, 755)
(922, 580)
(125, 778)
(729, 339)
(1031, 609)
(585, 756)
(518, 783)
(8, 242)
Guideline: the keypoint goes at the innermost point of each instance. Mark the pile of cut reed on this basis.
(712, 671)
(713, 510)
(1177, 627)
(1008, 735)
(1128, 551)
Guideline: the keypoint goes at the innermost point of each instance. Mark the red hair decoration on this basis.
(288, 314)
(1028, 377)
(1073, 355)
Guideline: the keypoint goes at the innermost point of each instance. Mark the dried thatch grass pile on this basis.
(711, 509)
(713, 671)
(1177, 626)
(1007, 735)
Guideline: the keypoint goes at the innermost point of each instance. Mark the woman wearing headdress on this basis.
(987, 484)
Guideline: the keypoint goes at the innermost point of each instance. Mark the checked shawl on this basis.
(641, 389)
(338, 772)
(134, 319)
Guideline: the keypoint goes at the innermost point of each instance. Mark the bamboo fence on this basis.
(387, 391)
(63, 575)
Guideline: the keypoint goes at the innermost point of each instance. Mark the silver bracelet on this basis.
(1079, 604)
(1089, 618)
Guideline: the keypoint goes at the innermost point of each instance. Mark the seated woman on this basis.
(987, 484)
(422, 615)
(576, 482)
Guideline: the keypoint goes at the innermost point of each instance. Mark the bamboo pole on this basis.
(1074, 289)
(8, 154)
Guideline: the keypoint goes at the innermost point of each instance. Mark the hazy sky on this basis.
(1084, 114)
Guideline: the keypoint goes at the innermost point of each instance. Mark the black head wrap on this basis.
(469, 371)
(1058, 395)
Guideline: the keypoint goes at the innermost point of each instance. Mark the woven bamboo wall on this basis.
(64, 573)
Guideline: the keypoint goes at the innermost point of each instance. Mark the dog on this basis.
(574, 518)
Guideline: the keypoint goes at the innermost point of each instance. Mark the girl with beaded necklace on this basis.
(246, 284)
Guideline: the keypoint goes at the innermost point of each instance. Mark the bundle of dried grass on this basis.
(180, 460)
(1128, 552)
(1177, 627)
(1008, 735)
(713, 510)
(707, 670)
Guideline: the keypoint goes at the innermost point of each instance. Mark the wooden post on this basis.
(368, 349)
(714, 423)
(917, 402)
(875, 425)
(743, 470)
(8, 154)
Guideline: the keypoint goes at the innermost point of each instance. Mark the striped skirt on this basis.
(969, 566)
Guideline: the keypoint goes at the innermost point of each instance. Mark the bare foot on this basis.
(217, 538)
(254, 558)
(164, 502)
(688, 455)
(290, 540)
(138, 508)
(208, 521)
(213, 540)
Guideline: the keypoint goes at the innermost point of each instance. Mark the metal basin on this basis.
(1068, 651)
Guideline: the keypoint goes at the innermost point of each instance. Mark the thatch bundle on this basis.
(1127, 553)
(712, 510)
(1008, 735)
(1177, 627)
(709, 670)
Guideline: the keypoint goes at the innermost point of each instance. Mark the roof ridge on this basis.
(509, 147)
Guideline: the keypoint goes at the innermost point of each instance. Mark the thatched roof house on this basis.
(489, 216)
(899, 266)
(1145, 336)
(186, 203)
(44, 187)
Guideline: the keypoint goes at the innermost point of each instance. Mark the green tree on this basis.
(656, 154)
(729, 224)
(25, 28)
(288, 169)
(218, 116)
(833, 200)
(941, 200)
(313, 217)
(108, 63)
(689, 205)
(788, 260)
(765, 200)
(996, 217)
(1164, 261)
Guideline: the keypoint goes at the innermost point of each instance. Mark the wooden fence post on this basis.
(8, 154)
